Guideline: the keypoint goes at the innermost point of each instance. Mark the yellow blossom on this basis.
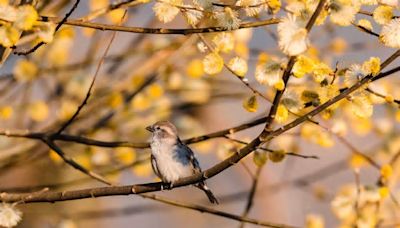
(125, 155)
(383, 14)
(83, 159)
(140, 102)
(321, 71)
(262, 58)
(241, 49)
(389, 98)
(357, 161)
(8, 36)
(195, 68)
(277, 155)
(325, 140)
(361, 126)
(68, 108)
(338, 45)
(372, 66)
(137, 80)
(6, 112)
(397, 116)
(45, 31)
(55, 157)
(166, 11)
(314, 221)
(303, 65)
(213, 63)
(142, 169)
(279, 85)
(365, 24)
(386, 171)
(38, 111)
(59, 52)
(238, 66)
(115, 99)
(251, 104)
(361, 106)
(66, 32)
(155, 91)
(98, 4)
(314, 134)
(274, 5)
(260, 158)
(88, 32)
(25, 70)
(116, 15)
(224, 42)
(26, 17)
(384, 192)
(282, 114)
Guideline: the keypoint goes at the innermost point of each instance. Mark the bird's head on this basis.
(163, 131)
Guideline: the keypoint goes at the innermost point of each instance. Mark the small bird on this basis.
(171, 159)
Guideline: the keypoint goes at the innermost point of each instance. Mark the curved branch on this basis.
(118, 28)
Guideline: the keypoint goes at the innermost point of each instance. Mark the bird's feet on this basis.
(167, 186)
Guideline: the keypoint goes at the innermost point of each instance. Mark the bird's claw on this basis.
(167, 186)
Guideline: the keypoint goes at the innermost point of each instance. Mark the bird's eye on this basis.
(158, 128)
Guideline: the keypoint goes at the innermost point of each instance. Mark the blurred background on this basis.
(40, 91)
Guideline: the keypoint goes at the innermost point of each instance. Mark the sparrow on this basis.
(171, 159)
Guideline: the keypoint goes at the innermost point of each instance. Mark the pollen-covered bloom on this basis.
(193, 16)
(250, 104)
(45, 31)
(8, 13)
(291, 100)
(269, 73)
(365, 24)
(201, 47)
(9, 36)
(343, 12)
(354, 74)
(303, 65)
(26, 17)
(251, 7)
(390, 34)
(389, 2)
(239, 66)
(383, 14)
(228, 19)
(166, 11)
(224, 41)
(293, 39)
(361, 105)
(9, 215)
(213, 63)
(365, 198)
(372, 66)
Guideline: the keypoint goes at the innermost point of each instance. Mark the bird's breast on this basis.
(170, 166)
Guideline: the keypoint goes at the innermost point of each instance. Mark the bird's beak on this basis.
(150, 128)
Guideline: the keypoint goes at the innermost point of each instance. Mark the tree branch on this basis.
(118, 28)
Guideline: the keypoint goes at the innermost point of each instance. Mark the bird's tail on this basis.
(208, 192)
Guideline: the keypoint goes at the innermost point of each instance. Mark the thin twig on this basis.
(70, 120)
(215, 212)
(65, 18)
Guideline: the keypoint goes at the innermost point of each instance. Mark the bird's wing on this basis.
(154, 166)
(192, 159)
